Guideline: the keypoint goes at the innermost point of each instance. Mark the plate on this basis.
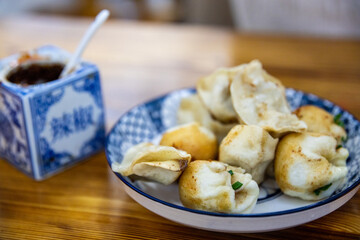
(273, 211)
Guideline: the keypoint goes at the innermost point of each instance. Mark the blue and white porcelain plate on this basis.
(273, 211)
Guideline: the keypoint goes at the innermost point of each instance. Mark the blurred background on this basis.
(321, 18)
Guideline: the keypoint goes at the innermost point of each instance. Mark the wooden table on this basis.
(138, 62)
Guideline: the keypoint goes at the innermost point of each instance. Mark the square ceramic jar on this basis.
(48, 127)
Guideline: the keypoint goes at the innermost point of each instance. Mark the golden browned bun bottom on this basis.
(320, 121)
(192, 138)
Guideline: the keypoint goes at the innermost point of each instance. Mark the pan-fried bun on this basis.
(249, 147)
(158, 163)
(259, 99)
(192, 138)
(207, 185)
(308, 165)
(214, 92)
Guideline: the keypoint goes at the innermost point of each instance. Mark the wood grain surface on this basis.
(141, 61)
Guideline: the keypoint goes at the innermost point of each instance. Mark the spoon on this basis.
(74, 60)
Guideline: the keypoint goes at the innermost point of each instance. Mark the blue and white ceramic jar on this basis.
(45, 128)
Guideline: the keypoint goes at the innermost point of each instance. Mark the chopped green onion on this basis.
(323, 188)
(237, 185)
(231, 172)
(343, 139)
(337, 117)
(338, 121)
(338, 146)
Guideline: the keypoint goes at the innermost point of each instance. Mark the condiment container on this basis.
(48, 127)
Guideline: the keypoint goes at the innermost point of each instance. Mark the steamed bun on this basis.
(320, 121)
(193, 110)
(207, 185)
(192, 138)
(308, 165)
(249, 147)
(259, 99)
(158, 163)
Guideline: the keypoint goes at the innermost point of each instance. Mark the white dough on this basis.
(158, 163)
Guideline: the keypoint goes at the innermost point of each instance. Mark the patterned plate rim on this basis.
(253, 215)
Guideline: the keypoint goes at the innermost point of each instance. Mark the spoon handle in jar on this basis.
(100, 19)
